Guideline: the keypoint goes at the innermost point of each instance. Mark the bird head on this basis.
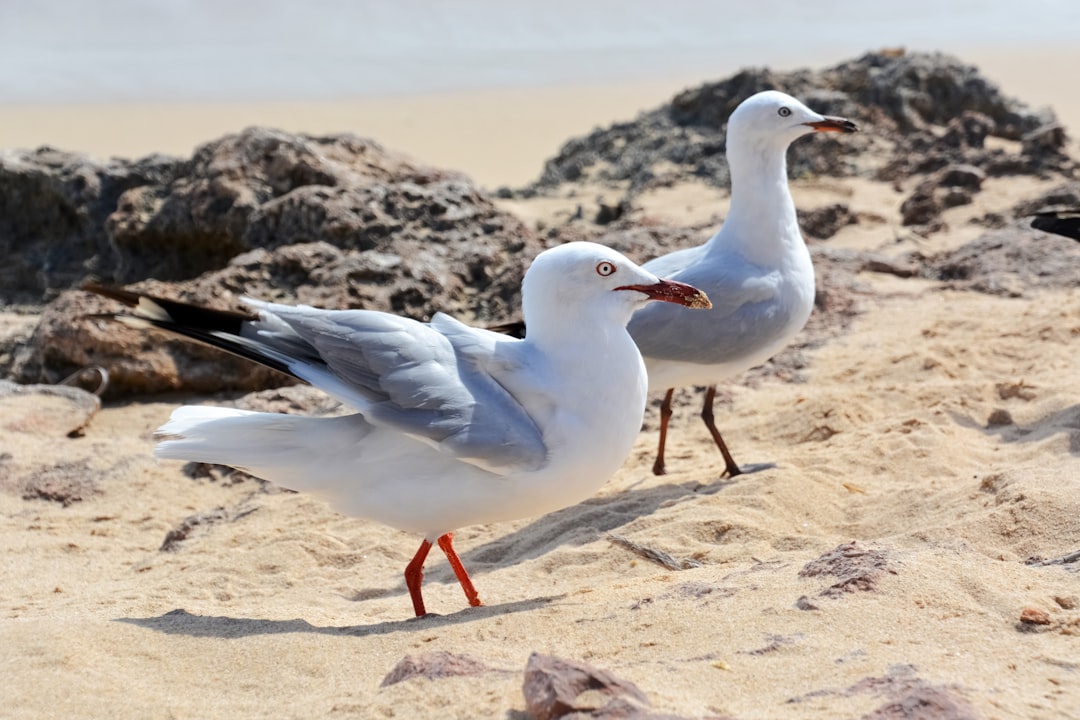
(776, 118)
(581, 279)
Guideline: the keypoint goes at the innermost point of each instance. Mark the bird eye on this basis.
(784, 112)
(605, 268)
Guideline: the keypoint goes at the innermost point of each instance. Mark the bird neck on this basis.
(761, 224)
(551, 327)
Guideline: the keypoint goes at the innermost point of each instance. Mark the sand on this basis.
(940, 433)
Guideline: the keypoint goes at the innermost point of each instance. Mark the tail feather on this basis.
(276, 447)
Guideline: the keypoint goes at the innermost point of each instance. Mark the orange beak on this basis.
(833, 124)
(673, 292)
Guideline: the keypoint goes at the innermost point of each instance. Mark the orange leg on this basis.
(446, 542)
(707, 416)
(665, 416)
(414, 575)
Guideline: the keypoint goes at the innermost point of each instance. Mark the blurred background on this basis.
(129, 77)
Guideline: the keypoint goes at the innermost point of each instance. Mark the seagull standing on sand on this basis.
(455, 425)
(756, 269)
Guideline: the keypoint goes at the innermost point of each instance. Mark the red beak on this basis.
(833, 124)
(673, 292)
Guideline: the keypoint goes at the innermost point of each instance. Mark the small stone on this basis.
(1034, 616)
(555, 687)
(961, 176)
(999, 417)
(921, 207)
(434, 665)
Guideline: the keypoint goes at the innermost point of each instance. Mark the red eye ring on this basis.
(605, 268)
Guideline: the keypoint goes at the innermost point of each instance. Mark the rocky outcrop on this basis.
(65, 217)
(328, 221)
(918, 114)
(53, 209)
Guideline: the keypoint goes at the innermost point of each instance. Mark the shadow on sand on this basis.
(181, 622)
(576, 525)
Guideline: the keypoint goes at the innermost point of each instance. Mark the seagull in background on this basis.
(756, 269)
(1060, 222)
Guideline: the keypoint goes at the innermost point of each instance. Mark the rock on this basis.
(968, 131)
(335, 222)
(1050, 139)
(16, 329)
(954, 197)
(1034, 616)
(918, 90)
(258, 188)
(932, 110)
(557, 688)
(53, 410)
(921, 207)
(553, 687)
(948, 187)
(67, 217)
(1006, 262)
(433, 666)
(71, 335)
(53, 209)
(608, 214)
(926, 703)
(859, 568)
(960, 176)
(824, 222)
(890, 266)
(1064, 197)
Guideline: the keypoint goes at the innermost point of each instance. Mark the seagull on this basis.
(455, 425)
(1064, 222)
(756, 269)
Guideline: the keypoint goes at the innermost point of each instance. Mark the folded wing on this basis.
(430, 381)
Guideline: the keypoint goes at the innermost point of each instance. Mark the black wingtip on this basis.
(127, 297)
(514, 328)
(1066, 224)
(152, 307)
(220, 329)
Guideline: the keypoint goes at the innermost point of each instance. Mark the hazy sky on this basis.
(182, 50)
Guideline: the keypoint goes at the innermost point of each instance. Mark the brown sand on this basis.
(276, 606)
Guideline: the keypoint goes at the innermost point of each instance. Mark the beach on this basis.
(892, 552)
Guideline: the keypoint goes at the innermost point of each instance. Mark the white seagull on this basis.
(455, 425)
(756, 269)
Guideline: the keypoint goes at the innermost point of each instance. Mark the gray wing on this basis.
(672, 263)
(430, 381)
(746, 312)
